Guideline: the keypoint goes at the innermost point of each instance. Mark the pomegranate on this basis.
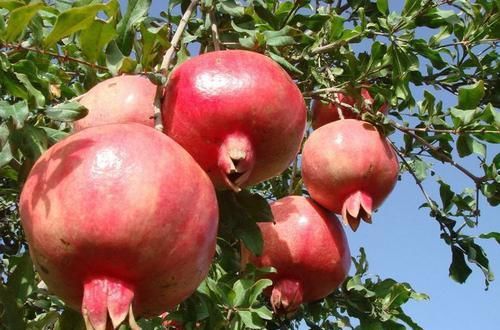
(238, 113)
(309, 250)
(118, 216)
(349, 168)
(325, 113)
(123, 99)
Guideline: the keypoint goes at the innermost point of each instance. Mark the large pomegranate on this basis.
(238, 113)
(123, 99)
(349, 168)
(323, 113)
(119, 216)
(309, 250)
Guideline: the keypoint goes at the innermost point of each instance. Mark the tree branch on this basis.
(63, 58)
(215, 31)
(441, 156)
(168, 58)
(452, 131)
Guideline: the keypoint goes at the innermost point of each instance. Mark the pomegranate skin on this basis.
(238, 113)
(309, 250)
(323, 113)
(349, 168)
(122, 99)
(119, 215)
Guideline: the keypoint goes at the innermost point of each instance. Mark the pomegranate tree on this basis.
(309, 250)
(238, 113)
(106, 229)
(123, 99)
(349, 168)
(324, 113)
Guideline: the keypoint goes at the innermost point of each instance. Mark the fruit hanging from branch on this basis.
(324, 113)
(349, 168)
(308, 247)
(107, 232)
(122, 99)
(238, 113)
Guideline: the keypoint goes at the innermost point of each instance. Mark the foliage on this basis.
(53, 51)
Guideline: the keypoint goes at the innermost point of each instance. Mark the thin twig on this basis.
(168, 58)
(442, 156)
(62, 58)
(215, 31)
(174, 44)
(291, 188)
(324, 90)
(457, 131)
(432, 206)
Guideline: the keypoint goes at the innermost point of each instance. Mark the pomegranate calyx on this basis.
(105, 296)
(358, 206)
(236, 160)
(287, 296)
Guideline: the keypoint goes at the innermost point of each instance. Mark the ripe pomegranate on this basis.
(349, 168)
(238, 113)
(119, 216)
(123, 99)
(325, 113)
(309, 250)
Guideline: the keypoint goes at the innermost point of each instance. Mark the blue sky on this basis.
(403, 243)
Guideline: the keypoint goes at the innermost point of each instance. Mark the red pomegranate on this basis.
(309, 250)
(323, 113)
(349, 168)
(119, 216)
(238, 113)
(123, 99)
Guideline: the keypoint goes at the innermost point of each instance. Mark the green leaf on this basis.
(22, 280)
(31, 140)
(251, 319)
(69, 111)
(38, 97)
(231, 8)
(263, 312)
(282, 61)
(470, 96)
(493, 235)
(255, 206)
(249, 232)
(19, 19)
(12, 313)
(18, 112)
(71, 21)
(435, 18)
(137, 10)
(116, 62)
(54, 135)
(280, 41)
(462, 117)
(459, 271)
(256, 290)
(446, 194)
(467, 145)
(383, 6)
(94, 38)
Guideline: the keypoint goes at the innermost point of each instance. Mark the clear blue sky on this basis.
(403, 243)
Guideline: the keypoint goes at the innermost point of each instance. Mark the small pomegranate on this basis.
(119, 216)
(309, 250)
(123, 99)
(349, 168)
(325, 113)
(238, 113)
